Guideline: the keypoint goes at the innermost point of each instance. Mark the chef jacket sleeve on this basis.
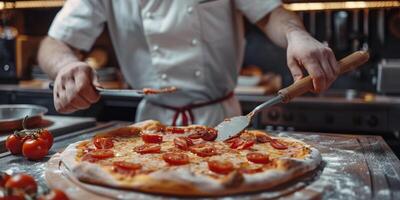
(255, 10)
(79, 23)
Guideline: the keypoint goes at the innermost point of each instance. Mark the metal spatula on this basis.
(230, 127)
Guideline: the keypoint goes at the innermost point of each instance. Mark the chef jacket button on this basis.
(197, 73)
(194, 42)
(164, 76)
(190, 9)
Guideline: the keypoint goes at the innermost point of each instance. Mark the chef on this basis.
(195, 45)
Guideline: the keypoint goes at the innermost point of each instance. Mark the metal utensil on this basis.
(231, 127)
(12, 115)
(130, 92)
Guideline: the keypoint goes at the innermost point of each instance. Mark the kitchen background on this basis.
(365, 101)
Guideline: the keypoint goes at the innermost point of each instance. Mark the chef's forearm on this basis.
(279, 24)
(53, 55)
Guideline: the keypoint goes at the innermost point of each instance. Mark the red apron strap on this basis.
(186, 111)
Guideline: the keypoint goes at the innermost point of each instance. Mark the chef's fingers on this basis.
(317, 74)
(59, 98)
(85, 88)
(328, 69)
(73, 97)
(295, 69)
(333, 62)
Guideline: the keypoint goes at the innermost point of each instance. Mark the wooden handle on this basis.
(305, 84)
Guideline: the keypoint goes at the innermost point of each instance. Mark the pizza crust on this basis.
(181, 181)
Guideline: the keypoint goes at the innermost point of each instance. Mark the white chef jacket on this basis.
(195, 45)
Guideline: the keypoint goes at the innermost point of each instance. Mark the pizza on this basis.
(187, 161)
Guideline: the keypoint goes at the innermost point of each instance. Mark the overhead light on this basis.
(341, 5)
(31, 4)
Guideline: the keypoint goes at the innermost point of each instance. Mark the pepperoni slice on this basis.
(175, 130)
(102, 153)
(152, 138)
(103, 142)
(148, 148)
(258, 158)
(176, 158)
(278, 145)
(262, 138)
(220, 167)
(210, 135)
(183, 143)
(203, 150)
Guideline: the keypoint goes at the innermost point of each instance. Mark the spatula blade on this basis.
(231, 127)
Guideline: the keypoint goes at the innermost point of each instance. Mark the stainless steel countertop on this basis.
(353, 167)
(330, 97)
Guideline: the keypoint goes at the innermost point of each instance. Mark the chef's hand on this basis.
(74, 88)
(304, 51)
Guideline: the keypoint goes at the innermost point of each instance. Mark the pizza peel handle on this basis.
(231, 127)
(304, 85)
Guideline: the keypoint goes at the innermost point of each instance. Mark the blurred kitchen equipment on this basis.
(388, 76)
(381, 26)
(8, 34)
(356, 36)
(230, 127)
(328, 27)
(394, 25)
(312, 23)
(97, 58)
(341, 33)
(11, 116)
(365, 45)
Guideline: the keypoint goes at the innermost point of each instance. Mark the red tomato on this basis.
(278, 145)
(35, 149)
(203, 150)
(247, 144)
(183, 143)
(22, 182)
(235, 143)
(103, 142)
(210, 135)
(127, 165)
(13, 197)
(176, 158)
(152, 138)
(126, 168)
(261, 138)
(47, 137)
(102, 153)
(220, 167)
(175, 130)
(195, 135)
(251, 170)
(54, 194)
(258, 158)
(148, 148)
(3, 178)
(14, 144)
(89, 158)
